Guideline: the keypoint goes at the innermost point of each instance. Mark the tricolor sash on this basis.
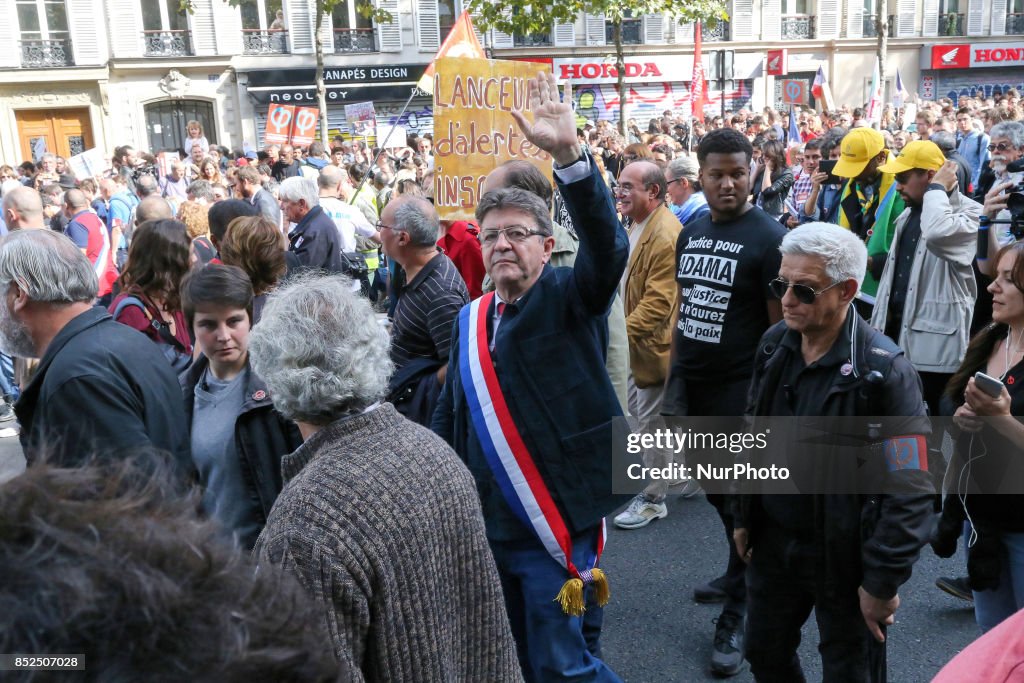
(512, 465)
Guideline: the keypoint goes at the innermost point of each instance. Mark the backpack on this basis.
(172, 349)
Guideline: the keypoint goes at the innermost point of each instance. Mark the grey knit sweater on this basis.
(380, 521)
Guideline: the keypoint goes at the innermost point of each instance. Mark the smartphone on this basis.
(828, 165)
(990, 385)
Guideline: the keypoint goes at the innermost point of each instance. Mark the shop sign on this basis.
(973, 55)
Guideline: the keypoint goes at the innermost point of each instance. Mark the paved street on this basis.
(655, 633)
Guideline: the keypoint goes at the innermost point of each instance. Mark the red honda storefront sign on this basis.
(973, 55)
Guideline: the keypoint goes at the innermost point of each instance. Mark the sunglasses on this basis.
(803, 293)
(1002, 147)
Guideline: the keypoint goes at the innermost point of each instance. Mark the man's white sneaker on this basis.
(640, 513)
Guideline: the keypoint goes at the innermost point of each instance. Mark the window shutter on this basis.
(682, 33)
(975, 18)
(906, 18)
(499, 40)
(742, 19)
(389, 36)
(474, 16)
(771, 19)
(200, 22)
(125, 24)
(565, 34)
(228, 22)
(827, 23)
(999, 17)
(854, 18)
(930, 27)
(427, 22)
(654, 29)
(11, 57)
(87, 40)
(298, 18)
(326, 30)
(595, 29)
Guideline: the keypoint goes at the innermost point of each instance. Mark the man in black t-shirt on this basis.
(725, 261)
(287, 166)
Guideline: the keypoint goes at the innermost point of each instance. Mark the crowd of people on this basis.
(406, 422)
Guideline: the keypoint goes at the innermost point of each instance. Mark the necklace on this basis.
(1008, 350)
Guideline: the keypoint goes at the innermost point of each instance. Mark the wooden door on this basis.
(65, 132)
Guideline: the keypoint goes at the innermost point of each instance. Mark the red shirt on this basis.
(462, 246)
(996, 657)
(88, 232)
(132, 316)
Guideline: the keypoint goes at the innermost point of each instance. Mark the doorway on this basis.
(65, 132)
(166, 121)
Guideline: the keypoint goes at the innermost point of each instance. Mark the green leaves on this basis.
(514, 18)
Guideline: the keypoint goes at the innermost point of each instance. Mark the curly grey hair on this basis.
(1012, 130)
(320, 350)
(845, 256)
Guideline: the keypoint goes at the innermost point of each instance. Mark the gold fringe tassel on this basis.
(571, 597)
(602, 592)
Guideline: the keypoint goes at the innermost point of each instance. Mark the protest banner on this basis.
(474, 131)
(164, 162)
(361, 118)
(304, 125)
(390, 137)
(279, 124)
(88, 164)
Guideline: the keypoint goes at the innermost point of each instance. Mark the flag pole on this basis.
(383, 146)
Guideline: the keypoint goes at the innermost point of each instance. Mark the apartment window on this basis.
(797, 23)
(163, 15)
(42, 19)
(352, 31)
(262, 15)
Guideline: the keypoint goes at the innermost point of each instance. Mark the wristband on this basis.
(984, 221)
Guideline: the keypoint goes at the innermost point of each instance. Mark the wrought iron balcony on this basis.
(354, 40)
(532, 40)
(632, 32)
(1015, 24)
(260, 42)
(36, 54)
(719, 33)
(951, 24)
(167, 43)
(870, 28)
(797, 27)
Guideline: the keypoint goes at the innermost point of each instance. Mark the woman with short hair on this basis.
(255, 245)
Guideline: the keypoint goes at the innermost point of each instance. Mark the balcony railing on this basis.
(632, 32)
(870, 28)
(260, 42)
(719, 33)
(1015, 24)
(354, 40)
(797, 27)
(167, 43)
(532, 40)
(37, 54)
(951, 25)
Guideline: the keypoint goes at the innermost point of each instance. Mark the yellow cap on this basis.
(860, 146)
(920, 154)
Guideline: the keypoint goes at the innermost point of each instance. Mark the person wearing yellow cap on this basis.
(926, 294)
(869, 203)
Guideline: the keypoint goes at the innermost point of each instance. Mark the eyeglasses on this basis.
(803, 293)
(1002, 147)
(513, 233)
(380, 226)
(673, 180)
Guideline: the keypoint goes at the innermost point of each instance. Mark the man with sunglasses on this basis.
(842, 552)
(1006, 145)
(927, 291)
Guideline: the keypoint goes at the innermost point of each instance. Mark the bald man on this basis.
(23, 209)
(90, 235)
(152, 208)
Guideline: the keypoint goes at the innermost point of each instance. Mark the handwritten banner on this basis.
(474, 131)
(361, 118)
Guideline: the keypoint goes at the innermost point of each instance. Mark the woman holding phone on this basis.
(986, 479)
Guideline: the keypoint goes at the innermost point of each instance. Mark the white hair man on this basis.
(99, 387)
(314, 239)
(843, 554)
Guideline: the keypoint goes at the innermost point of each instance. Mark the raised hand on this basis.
(553, 128)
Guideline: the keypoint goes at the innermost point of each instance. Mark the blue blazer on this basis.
(550, 362)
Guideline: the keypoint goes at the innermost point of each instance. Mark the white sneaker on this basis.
(640, 513)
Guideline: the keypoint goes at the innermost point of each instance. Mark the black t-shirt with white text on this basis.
(723, 270)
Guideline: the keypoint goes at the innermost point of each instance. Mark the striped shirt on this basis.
(426, 311)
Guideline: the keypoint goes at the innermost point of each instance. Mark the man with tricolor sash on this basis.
(528, 404)
(869, 203)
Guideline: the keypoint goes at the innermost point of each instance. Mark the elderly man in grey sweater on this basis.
(379, 519)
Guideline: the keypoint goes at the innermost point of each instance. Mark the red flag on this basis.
(698, 89)
(461, 42)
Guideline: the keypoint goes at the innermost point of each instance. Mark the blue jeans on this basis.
(7, 385)
(552, 645)
(993, 606)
